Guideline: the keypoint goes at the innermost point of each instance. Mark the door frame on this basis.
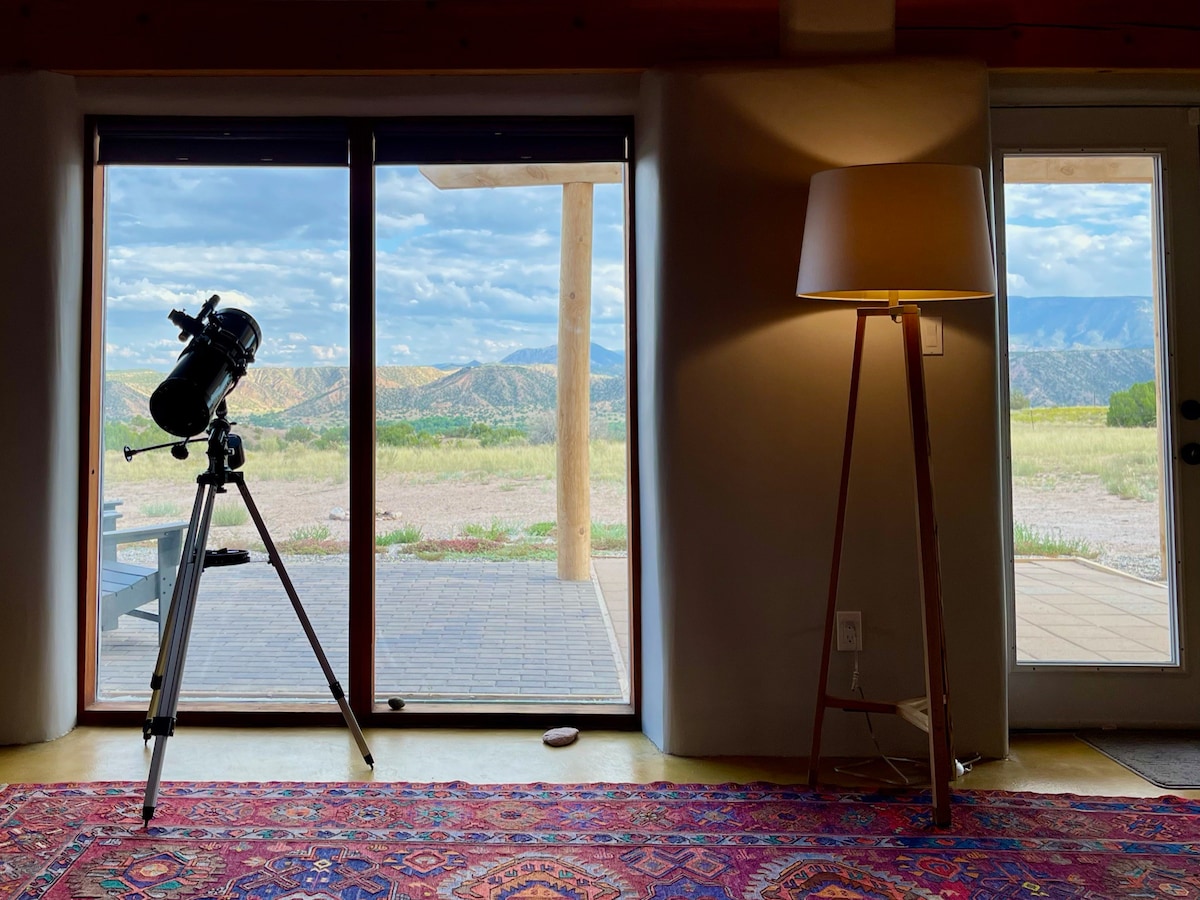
(1059, 696)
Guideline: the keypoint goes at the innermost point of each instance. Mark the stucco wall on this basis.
(749, 412)
(41, 176)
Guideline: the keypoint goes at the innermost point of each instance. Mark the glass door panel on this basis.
(272, 242)
(501, 464)
(1090, 478)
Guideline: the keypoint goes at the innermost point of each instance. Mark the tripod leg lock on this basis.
(162, 726)
(335, 688)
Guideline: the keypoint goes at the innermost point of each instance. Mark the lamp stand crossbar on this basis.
(930, 713)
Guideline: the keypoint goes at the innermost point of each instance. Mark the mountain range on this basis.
(1080, 323)
(505, 392)
(1077, 351)
(1063, 351)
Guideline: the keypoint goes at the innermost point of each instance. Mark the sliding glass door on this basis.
(485, 448)
(436, 423)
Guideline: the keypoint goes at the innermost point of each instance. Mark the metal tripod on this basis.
(224, 456)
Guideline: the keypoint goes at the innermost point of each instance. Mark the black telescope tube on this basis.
(208, 368)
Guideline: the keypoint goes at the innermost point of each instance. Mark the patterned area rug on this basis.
(585, 842)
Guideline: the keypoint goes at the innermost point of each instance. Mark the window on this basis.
(451, 392)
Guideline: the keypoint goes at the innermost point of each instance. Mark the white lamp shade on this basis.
(900, 231)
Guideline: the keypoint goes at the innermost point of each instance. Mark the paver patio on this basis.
(1070, 610)
(477, 631)
(495, 631)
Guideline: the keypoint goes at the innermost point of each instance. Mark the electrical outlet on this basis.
(849, 631)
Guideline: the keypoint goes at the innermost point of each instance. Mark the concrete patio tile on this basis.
(1052, 649)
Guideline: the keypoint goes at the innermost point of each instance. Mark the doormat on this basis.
(456, 841)
(1169, 759)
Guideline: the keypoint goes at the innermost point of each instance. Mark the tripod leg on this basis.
(334, 687)
(162, 723)
(192, 556)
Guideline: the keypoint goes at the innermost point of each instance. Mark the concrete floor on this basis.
(1046, 763)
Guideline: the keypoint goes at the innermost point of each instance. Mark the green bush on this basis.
(300, 434)
(1134, 408)
(402, 434)
(1018, 399)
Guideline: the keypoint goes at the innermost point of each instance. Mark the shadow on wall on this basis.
(754, 390)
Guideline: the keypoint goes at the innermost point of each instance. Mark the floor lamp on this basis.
(894, 234)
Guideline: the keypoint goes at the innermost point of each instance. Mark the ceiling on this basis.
(466, 36)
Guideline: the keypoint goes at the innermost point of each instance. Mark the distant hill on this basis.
(603, 361)
(494, 393)
(1077, 377)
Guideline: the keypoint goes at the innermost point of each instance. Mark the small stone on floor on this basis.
(560, 737)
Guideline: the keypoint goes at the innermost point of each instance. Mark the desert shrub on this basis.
(1018, 399)
(408, 534)
(227, 516)
(609, 537)
(495, 531)
(1030, 541)
(159, 509)
(315, 533)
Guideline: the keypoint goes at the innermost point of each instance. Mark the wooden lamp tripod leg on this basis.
(930, 576)
(814, 758)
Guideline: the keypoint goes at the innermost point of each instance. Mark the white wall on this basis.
(743, 431)
(41, 267)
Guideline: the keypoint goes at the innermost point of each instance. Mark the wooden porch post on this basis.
(574, 365)
(574, 332)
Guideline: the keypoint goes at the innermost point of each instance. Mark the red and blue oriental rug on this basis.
(585, 842)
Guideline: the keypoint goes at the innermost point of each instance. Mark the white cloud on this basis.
(1078, 240)
(460, 274)
(331, 353)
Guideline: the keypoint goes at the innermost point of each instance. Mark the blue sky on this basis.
(469, 274)
(460, 275)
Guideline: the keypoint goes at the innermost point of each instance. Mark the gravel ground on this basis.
(1126, 532)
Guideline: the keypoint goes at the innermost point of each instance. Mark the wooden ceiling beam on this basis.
(277, 37)
(379, 36)
(1054, 34)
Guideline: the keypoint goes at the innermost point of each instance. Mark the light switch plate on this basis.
(931, 335)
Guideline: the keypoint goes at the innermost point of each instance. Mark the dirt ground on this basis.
(439, 508)
(1126, 532)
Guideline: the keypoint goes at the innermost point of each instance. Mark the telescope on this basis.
(221, 347)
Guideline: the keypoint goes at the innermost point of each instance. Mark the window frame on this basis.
(368, 142)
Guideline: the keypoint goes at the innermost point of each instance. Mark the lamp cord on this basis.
(856, 687)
